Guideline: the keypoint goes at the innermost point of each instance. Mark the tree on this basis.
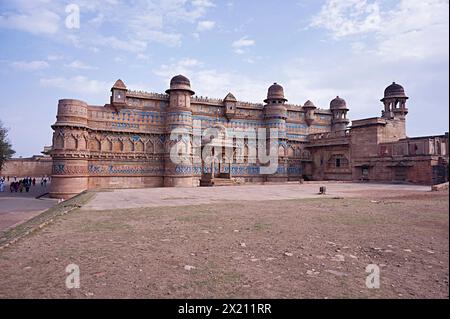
(6, 151)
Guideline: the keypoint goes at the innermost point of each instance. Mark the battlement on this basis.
(206, 100)
(329, 138)
(147, 95)
(249, 105)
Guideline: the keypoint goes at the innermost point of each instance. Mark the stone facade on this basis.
(127, 143)
(378, 149)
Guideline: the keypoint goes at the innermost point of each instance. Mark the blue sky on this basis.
(315, 49)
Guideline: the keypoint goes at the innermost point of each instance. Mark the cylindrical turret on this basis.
(275, 115)
(69, 150)
(178, 171)
(339, 109)
(72, 112)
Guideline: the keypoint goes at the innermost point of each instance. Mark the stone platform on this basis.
(155, 197)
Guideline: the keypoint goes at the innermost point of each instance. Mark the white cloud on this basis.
(143, 57)
(348, 17)
(55, 57)
(415, 29)
(35, 21)
(214, 83)
(134, 46)
(77, 64)
(205, 25)
(185, 66)
(169, 39)
(78, 84)
(146, 21)
(30, 66)
(240, 45)
(188, 62)
(411, 29)
(203, 3)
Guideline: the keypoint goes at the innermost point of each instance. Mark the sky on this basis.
(315, 49)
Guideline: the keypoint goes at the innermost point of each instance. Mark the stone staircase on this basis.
(224, 182)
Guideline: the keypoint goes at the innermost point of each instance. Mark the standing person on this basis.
(2, 185)
(34, 181)
(21, 185)
(27, 185)
(11, 187)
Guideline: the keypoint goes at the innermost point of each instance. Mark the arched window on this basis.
(71, 142)
(94, 144)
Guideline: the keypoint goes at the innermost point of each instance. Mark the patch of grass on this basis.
(260, 226)
(195, 214)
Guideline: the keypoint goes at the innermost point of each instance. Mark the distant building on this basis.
(126, 143)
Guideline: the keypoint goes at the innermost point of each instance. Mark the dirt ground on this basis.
(298, 248)
(15, 208)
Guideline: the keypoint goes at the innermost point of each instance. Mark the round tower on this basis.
(69, 150)
(339, 109)
(178, 148)
(275, 115)
(309, 109)
(394, 101)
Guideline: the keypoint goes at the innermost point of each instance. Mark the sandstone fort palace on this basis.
(126, 142)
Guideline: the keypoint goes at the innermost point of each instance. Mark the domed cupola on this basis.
(309, 109)
(275, 95)
(180, 82)
(338, 104)
(275, 101)
(394, 91)
(339, 110)
(394, 101)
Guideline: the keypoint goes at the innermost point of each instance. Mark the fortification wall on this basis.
(36, 166)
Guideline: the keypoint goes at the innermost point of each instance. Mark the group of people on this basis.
(21, 185)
